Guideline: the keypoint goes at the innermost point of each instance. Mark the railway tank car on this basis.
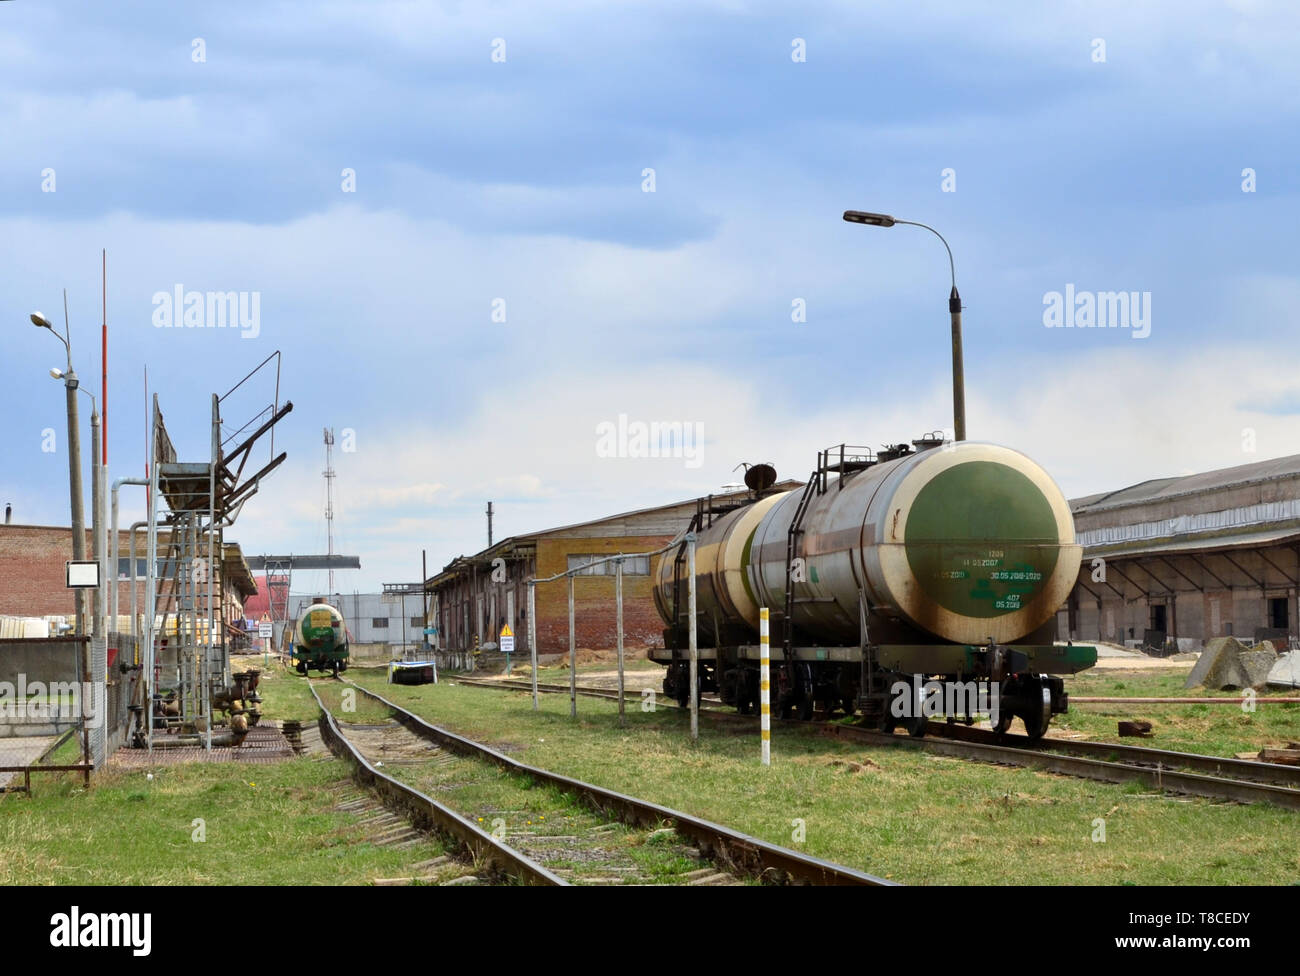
(931, 562)
(320, 639)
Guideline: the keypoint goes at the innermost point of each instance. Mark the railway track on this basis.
(1212, 777)
(592, 844)
(495, 858)
(582, 692)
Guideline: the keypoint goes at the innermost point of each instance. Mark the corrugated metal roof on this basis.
(1166, 547)
(1164, 488)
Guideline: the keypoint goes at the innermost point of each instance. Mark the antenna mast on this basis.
(329, 499)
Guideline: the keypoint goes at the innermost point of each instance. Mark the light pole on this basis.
(97, 522)
(74, 464)
(954, 309)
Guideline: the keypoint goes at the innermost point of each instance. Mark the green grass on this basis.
(350, 706)
(914, 817)
(285, 695)
(1220, 730)
(265, 824)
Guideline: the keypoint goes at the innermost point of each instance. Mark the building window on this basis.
(632, 565)
(417, 621)
(1277, 613)
(379, 623)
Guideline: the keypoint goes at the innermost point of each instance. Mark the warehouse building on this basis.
(1174, 562)
(475, 596)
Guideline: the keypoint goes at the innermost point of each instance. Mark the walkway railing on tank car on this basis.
(688, 539)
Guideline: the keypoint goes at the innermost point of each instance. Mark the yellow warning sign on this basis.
(507, 632)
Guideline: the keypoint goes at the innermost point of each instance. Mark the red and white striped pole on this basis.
(764, 686)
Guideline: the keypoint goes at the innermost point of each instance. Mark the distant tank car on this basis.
(923, 566)
(320, 639)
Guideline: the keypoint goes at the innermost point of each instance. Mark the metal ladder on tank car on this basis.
(850, 459)
(678, 569)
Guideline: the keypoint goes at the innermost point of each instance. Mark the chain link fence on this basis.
(48, 698)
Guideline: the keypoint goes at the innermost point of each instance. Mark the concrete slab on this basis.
(1286, 672)
(22, 751)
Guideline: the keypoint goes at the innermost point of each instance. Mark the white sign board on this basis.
(264, 629)
(82, 574)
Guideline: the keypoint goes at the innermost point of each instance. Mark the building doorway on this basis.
(1159, 618)
(1278, 613)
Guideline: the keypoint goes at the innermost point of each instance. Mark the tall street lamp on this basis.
(954, 309)
(74, 465)
(97, 521)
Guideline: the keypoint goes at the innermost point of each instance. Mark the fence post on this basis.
(532, 634)
(764, 694)
(618, 606)
(694, 645)
(83, 665)
(573, 658)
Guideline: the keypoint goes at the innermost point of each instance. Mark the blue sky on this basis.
(480, 179)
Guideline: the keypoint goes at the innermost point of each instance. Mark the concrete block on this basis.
(1285, 673)
(1228, 663)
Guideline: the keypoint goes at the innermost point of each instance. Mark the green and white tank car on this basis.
(320, 639)
(949, 562)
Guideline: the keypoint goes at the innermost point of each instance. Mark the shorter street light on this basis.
(69, 378)
(954, 309)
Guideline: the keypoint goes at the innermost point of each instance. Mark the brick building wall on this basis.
(33, 581)
(593, 597)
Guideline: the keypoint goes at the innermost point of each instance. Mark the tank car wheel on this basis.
(1038, 718)
(1004, 721)
(336, 669)
(885, 722)
(849, 705)
(916, 727)
(1035, 726)
(302, 667)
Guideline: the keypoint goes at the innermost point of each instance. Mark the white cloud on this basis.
(1096, 421)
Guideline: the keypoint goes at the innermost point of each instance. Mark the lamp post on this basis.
(74, 464)
(98, 524)
(954, 310)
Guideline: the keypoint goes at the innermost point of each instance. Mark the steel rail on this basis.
(588, 692)
(1179, 772)
(427, 812)
(746, 853)
(1080, 700)
(1173, 780)
(1243, 769)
